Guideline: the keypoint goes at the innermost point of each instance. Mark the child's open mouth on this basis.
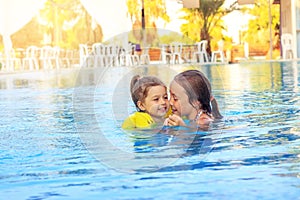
(174, 110)
(163, 109)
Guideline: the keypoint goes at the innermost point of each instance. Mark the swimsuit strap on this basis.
(200, 113)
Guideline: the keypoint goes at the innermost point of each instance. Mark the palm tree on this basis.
(153, 10)
(206, 18)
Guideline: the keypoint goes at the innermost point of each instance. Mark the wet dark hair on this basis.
(140, 86)
(198, 88)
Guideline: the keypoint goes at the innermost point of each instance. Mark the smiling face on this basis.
(156, 103)
(180, 103)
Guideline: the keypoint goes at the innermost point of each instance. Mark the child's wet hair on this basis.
(140, 86)
(198, 88)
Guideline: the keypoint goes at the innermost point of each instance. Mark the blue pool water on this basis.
(60, 137)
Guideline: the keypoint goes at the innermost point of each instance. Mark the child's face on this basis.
(180, 103)
(156, 103)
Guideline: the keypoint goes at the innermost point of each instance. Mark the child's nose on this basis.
(171, 102)
(162, 101)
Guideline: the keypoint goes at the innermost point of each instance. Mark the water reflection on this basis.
(253, 94)
(256, 77)
(256, 145)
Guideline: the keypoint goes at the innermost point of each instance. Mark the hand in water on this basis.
(174, 120)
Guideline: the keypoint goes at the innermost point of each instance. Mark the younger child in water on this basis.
(150, 97)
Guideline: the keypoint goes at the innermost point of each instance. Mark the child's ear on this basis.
(140, 105)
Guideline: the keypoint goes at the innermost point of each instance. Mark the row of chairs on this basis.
(35, 58)
(47, 57)
(100, 54)
(287, 46)
(179, 53)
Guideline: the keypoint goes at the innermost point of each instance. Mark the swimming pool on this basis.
(60, 137)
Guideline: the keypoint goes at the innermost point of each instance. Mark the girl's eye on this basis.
(155, 99)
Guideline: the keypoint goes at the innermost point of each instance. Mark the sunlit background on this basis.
(68, 23)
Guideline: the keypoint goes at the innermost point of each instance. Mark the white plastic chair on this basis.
(165, 54)
(66, 57)
(145, 58)
(31, 58)
(12, 62)
(99, 54)
(287, 46)
(134, 57)
(201, 54)
(112, 53)
(55, 57)
(128, 56)
(46, 57)
(219, 53)
(84, 55)
(176, 52)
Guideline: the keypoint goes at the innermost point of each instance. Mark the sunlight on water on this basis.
(60, 136)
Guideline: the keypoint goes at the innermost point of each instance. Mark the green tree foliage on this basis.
(153, 10)
(258, 33)
(205, 22)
